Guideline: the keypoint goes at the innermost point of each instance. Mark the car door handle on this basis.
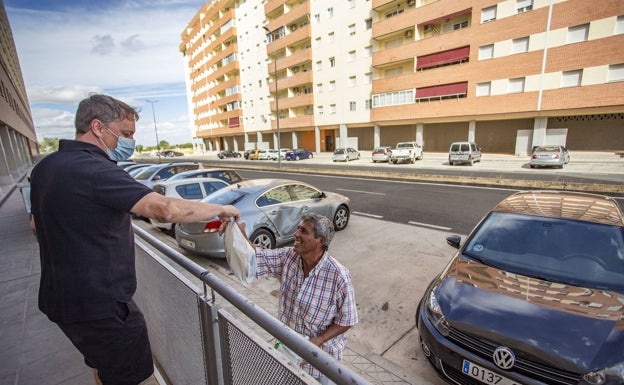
(304, 208)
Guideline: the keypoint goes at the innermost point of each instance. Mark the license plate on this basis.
(187, 243)
(485, 375)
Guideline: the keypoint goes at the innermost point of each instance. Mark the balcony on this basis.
(294, 101)
(304, 121)
(301, 11)
(299, 57)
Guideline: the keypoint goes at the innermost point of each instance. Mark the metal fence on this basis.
(195, 340)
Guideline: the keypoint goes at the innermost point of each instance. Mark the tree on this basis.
(139, 148)
(48, 145)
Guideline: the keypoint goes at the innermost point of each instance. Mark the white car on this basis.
(265, 154)
(190, 188)
(283, 151)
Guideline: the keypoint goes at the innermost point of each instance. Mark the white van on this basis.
(464, 152)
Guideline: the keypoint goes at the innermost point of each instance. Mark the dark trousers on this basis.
(118, 347)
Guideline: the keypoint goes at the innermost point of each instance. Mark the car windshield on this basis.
(555, 249)
(339, 151)
(147, 173)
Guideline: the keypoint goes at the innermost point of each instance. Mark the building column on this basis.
(343, 135)
(295, 143)
(539, 131)
(420, 129)
(376, 135)
(472, 127)
(317, 139)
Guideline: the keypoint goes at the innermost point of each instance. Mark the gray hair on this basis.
(104, 108)
(323, 227)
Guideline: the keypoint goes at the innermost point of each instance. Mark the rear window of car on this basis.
(189, 191)
(339, 151)
(147, 173)
(225, 197)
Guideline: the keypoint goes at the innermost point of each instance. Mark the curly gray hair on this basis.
(323, 227)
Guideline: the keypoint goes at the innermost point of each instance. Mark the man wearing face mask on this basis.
(82, 204)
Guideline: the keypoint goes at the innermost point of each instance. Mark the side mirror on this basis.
(454, 241)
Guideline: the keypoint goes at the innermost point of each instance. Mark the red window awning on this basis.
(234, 122)
(440, 58)
(445, 17)
(442, 90)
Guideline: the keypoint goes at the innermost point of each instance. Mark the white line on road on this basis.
(368, 215)
(360, 191)
(428, 225)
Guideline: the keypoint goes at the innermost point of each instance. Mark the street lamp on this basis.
(277, 116)
(155, 129)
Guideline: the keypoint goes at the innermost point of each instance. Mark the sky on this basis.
(128, 49)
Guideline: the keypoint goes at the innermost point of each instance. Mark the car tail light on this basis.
(212, 226)
(534, 156)
(556, 156)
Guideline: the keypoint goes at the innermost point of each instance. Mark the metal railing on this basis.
(195, 340)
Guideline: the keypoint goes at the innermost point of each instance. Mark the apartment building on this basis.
(507, 74)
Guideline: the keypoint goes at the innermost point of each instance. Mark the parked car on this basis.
(264, 154)
(137, 166)
(253, 155)
(299, 153)
(464, 153)
(535, 295)
(161, 172)
(228, 154)
(549, 156)
(406, 152)
(188, 188)
(381, 154)
(282, 151)
(345, 154)
(227, 175)
(271, 209)
(170, 153)
(126, 164)
(246, 153)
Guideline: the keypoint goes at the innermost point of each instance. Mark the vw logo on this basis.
(504, 357)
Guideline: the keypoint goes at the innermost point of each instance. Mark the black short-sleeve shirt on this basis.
(81, 202)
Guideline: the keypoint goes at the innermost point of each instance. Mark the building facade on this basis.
(507, 74)
(18, 140)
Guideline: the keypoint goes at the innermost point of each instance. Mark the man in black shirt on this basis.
(82, 204)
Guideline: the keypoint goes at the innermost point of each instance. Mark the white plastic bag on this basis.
(240, 255)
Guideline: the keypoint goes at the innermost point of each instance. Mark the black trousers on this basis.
(118, 347)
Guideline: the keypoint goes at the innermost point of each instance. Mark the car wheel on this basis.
(532, 165)
(471, 162)
(394, 161)
(341, 218)
(311, 156)
(297, 157)
(263, 238)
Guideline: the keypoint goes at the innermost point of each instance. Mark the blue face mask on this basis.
(124, 149)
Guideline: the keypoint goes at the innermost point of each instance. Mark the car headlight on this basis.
(613, 375)
(435, 315)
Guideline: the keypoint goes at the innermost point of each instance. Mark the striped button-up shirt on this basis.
(310, 305)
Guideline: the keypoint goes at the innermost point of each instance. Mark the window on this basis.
(524, 5)
(319, 65)
(619, 25)
(520, 45)
(317, 17)
(352, 30)
(486, 52)
(571, 78)
(369, 23)
(352, 106)
(330, 12)
(460, 25)
(394, 98)
(331, 37)
(394, 71)
(394, 43)
(369, 51)
(369, 77)
(616, 73)
(332, 62)
(484, 89)
(319, 88)
(332, 85)
(352, 81)
(488, 14)
(319, 110)
(394, 13)
(578, 33)
(317, 42)
(303, 192)
(332, 109)
(351, 55)
(367, 104)
(516, 85)
(351, 3)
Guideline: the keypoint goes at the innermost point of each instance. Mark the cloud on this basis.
(61, 94)
(103, 45)
(133, 44)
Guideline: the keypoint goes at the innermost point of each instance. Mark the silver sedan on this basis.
(544, 156)
(271, 209)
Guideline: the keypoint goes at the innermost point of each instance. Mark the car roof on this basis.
(569, 205)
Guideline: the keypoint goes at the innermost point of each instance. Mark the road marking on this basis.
(428, 225)
(368, 215)
(360, 191)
